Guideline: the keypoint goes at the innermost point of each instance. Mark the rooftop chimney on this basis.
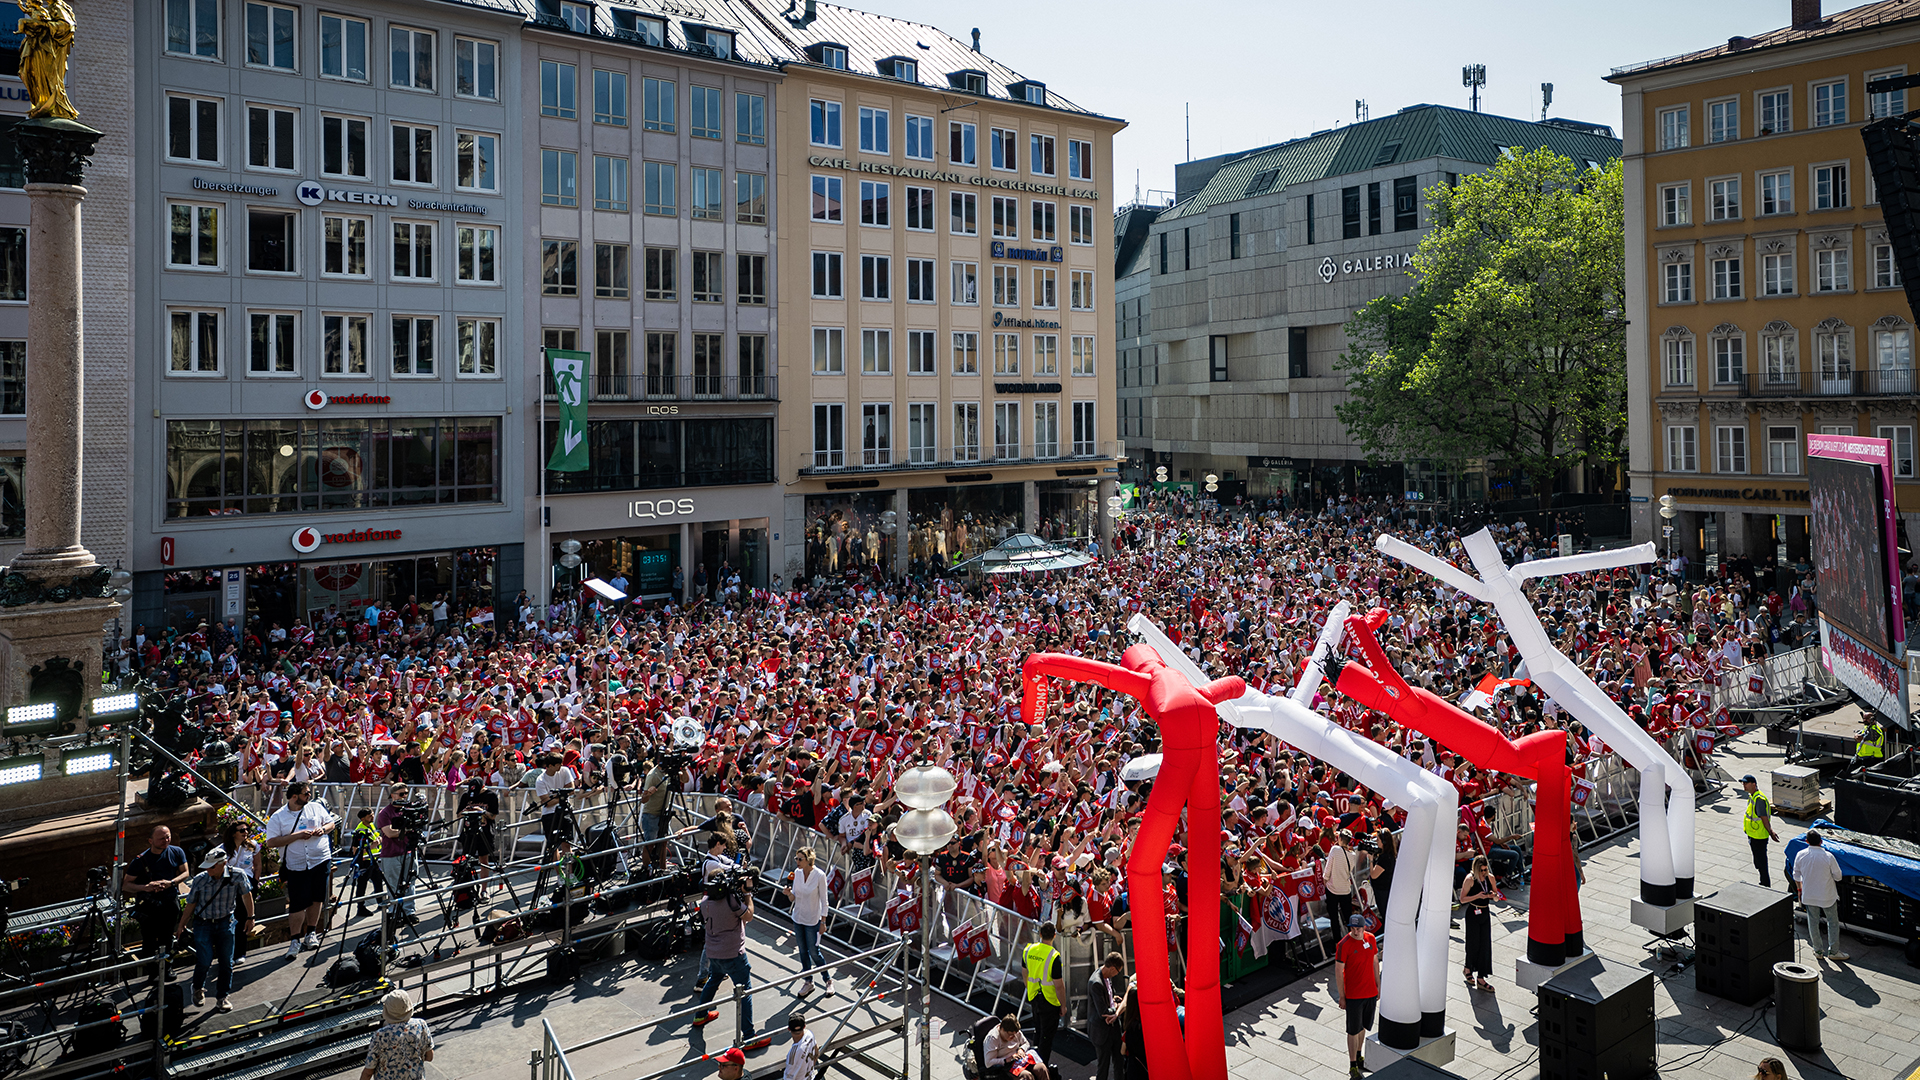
(1806, 14)
(976, 39)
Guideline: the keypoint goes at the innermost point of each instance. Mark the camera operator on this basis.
(399, 822)
(551, 789)
(663, 776)
(725, 914)
(153, 879)
(479, 808)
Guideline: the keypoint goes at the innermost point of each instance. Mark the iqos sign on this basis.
(650, 509)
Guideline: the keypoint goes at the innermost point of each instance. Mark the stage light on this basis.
(89, 761)
(32, 714)
(117, 703)
(21, 772)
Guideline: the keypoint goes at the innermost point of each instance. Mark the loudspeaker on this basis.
(1631, 1058)
(1742, 922)
(106, 1033)
(175, 1011)
(1593, 1005)
(1743, 980)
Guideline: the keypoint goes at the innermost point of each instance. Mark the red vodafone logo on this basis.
(306, 538)
(316, 399)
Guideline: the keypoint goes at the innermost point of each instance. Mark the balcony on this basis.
(1802, 383)
(618, 386)
(900, 459)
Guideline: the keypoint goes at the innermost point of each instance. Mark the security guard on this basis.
(1871, 747)
(1046, 990)
(1758, 824)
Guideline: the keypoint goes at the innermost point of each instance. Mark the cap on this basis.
(732, 1055)
(1748, 779)
(1355, 920)
(214, 854)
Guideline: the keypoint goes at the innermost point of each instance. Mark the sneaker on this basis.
(239, 959)
(700, 983)
(293, 947)
(1838, 956)
(746, 1034)
(805, 989)
(1363, 1066)
(313, 940)
(706, 1018)
(199, 996)
(827, 987)
(222, 1006)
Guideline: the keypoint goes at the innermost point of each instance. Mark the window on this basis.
(610, 183)
(966, 283)
(963, 220)
(1349, 213)
(1674, 128)
(1006, 286)
(1006, 429)
(920, 352)
(1406, 204)
(1726, 279)
(876, 277)
(1083, 429)
(1045, 288)
(1080, 225)
(1046, 429)
(270, 240)
(703, 102)
(1676, 204)
(966, 431)
(709, 193)
(750, 119)
(1296, 352)
(1723, 120)
(1082, 296)
(559, 89)
(610, 267)
(1003, 146)
(343, 344)
(344, 245)
(663, 198)
(876, 352)
(753, 365)
(873, 202)
(1723, 199)
(829, 435)
(1776, 112)
(966, 353)
(663, 359)
(1830, 186)
(1886, 271)
(826, 198)
(193, 235)
(1679, 283)
(1373, 209)
(612, 365)
(1163, 253)
(1833, 270)
(1780, 355)
(829, 350)
(904, 70)
(1676, 353)
(1901, 436)
(1006, 217)
(1079, 159)
(1729, 360)
(1046, 355)
(1881, 106)
(412, 53)
(1233, 236)
(1776, 274)
(662, 273)
(270, 36)
(876, 434)
(343, 146)
(750, 273)
(1776, 192)
(1730, 449)
(826, 275)
(557, 178)
(412, 154)
(1217, 358)
(1043, 221)
(193, 129)
(834, 57)
(960, 142)
(343, 47)
(919, 208)
(920, 138)
(196, 342)
(1833, 354)
(413, 344)
(1040, 154)
(270, 343)
(1006, 354)
(413, 250)
(609, 97)
(1082, 355)
(922, 436)
(1682, 455)
(873, 131)
(476, 153)
(479, 347)
(475, 73)
(824, 122)
(1830, 103)
(560, 268)
(658, 107)
(285, 465)
(193, 27)
(750, 198)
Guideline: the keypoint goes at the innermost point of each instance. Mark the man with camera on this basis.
(479, 808)
(400, 822)
(302, 827)
(725, 914)
(551, 789)
(665, 776)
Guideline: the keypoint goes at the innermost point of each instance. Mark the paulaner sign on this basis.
(1331, 268)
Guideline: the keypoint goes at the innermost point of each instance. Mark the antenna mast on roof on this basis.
(1546, 98)
(1360, 112)
(1474, 76)
(1189, 131)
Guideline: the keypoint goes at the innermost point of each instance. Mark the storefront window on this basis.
(949, 524)
(635, 455)
(639, 566)
(1068, 508)
(843, 533)
(222, 467)
(291, 594)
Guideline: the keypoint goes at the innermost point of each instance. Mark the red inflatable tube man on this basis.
(1189, 779)
(1554, 931)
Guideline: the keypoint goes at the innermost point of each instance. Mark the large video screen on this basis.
(1849, 547)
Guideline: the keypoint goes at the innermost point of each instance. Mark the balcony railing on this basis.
(639, 386)
(899, 458)
(1810, 383)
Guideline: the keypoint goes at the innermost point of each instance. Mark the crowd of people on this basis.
(813, 699)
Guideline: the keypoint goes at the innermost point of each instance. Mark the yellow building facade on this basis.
(1763, 298)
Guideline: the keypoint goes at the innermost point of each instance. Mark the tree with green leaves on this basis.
(1512, 343)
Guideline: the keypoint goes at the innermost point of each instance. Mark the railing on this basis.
(628, 385)
(1803, 382)
(43, 1054)
(895, 457)
(1781, 678)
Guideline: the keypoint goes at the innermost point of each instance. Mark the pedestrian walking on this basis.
(1476, 894)
(402, 1046)
(803, 1055)
(1356, 989)
(1758, 824)
(725, 917)
(1818, 873)
(807, 889)
(219, 894)
(1103, 1016)
(302, 827)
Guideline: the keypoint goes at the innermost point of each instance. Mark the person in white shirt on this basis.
(808, 891)
(302, 827)
(1007, 1049)
(549, 787)
(803, 1056)
(1818, 873)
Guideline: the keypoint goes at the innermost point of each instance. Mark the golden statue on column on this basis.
(47, 36)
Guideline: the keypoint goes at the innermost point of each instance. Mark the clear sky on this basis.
(1263, 72)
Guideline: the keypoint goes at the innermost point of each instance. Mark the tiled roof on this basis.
(1865, 17)
(1422, 131)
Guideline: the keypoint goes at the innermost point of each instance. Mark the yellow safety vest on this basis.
(1039, 960)
(1873, 742)
(1755, 827)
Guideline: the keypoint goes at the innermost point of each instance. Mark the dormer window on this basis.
(634, 26)
(972, 82)
(577, 17)
(899, 67)
(710, 42)
(829, 55)
(1033, 93)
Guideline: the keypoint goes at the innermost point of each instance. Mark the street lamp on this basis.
(923, 830)
(121, 582)
(1669, 513)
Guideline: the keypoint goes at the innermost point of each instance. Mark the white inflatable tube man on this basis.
(1666, 827)
(1410, 1007)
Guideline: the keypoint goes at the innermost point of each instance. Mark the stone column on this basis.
(1030, 505)
(1107, 488)
(54, 370)
(901, 532)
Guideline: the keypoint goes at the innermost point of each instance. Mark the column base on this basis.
(1665, 920)
(1434, 1050)
(1528, 975)
(67, 560)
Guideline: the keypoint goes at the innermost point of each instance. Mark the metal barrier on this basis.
(1781, 679)
(45, 1054)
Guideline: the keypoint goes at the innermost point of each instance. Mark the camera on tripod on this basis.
(738, 882)
(99, 880)
(411, 819)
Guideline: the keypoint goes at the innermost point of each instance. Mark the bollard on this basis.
(1796, 1003)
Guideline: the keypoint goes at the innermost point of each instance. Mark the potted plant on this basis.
(269, 898)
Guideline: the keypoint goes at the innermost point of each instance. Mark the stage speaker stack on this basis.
(1740, 932)
(1596, 1023)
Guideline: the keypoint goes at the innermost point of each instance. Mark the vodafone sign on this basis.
(306, 538)
(317, 399)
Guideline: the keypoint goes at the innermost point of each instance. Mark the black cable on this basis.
(1802, 1058)
(1704, 1052)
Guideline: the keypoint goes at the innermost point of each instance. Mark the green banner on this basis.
(569, 374)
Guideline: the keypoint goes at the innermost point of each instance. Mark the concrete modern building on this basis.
(1761, 288)
(648, 221)
(946, 277)
(326, 265)
(1255, 270)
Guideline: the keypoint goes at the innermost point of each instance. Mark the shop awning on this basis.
(605, 589)
(1025, 553)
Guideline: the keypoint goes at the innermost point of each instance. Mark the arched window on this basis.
(1676, 354)
(1833, 357)
(1892, 356)
(1729, 347)
(1780, 356)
